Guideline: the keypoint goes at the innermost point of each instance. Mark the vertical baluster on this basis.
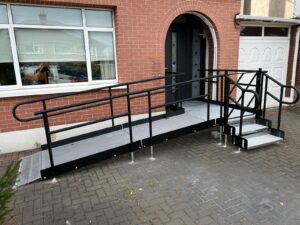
(208, 98)
(258, 91)
(280, 108)
(111, 107)
(49, 142)
(226, 105)
(150, 126)
(218, 84)
(130, 125)
(242, 114)
(226, 96)
(265, 97)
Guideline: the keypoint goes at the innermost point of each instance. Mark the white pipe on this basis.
(293, 81)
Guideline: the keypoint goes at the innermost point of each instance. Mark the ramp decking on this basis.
(195, 114)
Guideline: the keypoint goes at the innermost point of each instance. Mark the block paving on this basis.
(193, 181)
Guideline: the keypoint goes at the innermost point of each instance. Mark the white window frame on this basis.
(26, 90)
(263, 25)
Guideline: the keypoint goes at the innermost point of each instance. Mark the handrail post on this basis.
(242, 114)
(49, 142)
(259, 83)
(150, 125)
(111, 107)
(130, 125)
(265, 97)
(280, 108)
(222, 96)
(208, 98)
(226, 96)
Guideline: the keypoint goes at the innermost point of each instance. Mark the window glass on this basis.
(51, 56)
(102, 55)
(98, 18)
(251, 31)
(276, 31)
(7, 72)
(46, 16)
(3, 14)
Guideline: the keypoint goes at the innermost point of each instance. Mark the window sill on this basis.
(26, 91)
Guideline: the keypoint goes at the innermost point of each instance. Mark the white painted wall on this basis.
(297, 9)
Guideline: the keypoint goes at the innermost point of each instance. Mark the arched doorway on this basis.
(187, 51)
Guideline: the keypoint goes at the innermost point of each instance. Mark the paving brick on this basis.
(193, 181)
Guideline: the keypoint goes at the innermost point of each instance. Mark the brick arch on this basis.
(192, 7)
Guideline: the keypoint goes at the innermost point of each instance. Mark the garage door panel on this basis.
(270, 54)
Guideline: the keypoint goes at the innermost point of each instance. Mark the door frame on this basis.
(213, 34)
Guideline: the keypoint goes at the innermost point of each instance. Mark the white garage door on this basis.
(267, 52)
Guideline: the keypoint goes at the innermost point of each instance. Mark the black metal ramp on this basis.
(84, 151)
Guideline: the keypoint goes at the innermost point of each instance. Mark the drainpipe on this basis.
(293, 81)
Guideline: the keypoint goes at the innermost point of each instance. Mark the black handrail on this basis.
(51, 112)
(280, 99)
(124, 95)
(287, 87)
(222, 82)
(109, 88)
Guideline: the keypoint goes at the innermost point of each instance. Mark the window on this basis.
(251, 31)
(51, 56)
(46, 16)
(3, 14)
(7, 72)
(247, 7)
(276, 31)
(98, 18)
(102, 55)
(56, 45)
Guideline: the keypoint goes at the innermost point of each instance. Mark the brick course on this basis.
(141, 28)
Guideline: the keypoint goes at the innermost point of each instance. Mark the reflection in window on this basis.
(251, 31)
(3, 14)
(51, 56)
(102, 55)
(46, 16)
(7, 72)
(96, 18)
(276, 31)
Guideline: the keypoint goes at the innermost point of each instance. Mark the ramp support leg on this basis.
(226, 139)
(221, 135)
(132, 158)
(152, 153)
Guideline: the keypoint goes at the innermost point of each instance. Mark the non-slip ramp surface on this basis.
(195, 113)
(86, 147)
(29, 169)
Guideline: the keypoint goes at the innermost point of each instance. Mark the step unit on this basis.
(259, 139)
(255, 133)
(248, 128)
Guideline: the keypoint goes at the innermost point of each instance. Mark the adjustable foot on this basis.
(221, 135)
(238, 151)
(132, 158)
(225, 143)
(53, 181)
(152, 153)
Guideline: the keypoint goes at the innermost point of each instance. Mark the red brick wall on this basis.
(141, 27)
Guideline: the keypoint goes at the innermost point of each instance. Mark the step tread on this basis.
(261, 139)
(249, 128)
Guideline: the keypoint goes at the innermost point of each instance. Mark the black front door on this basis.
(185, 53)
